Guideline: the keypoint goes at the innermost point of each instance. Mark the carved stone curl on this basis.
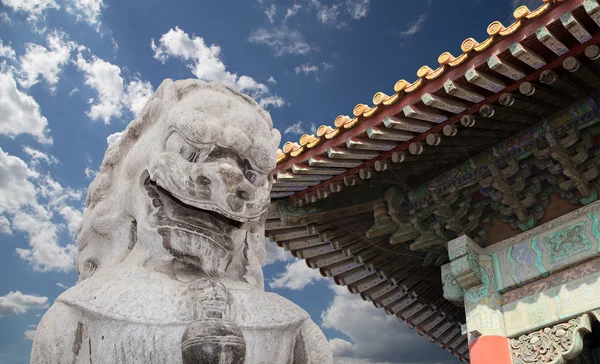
(552, 345)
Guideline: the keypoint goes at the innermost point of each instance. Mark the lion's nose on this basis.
(242, 194)
(245, 193)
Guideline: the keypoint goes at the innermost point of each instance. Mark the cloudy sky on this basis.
(73, 73)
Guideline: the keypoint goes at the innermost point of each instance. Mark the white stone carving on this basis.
(172, 243)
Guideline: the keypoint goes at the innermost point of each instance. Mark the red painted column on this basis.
(490, 349)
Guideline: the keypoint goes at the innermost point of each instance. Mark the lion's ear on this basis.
(276, 137)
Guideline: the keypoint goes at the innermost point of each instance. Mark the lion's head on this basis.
(189, 180)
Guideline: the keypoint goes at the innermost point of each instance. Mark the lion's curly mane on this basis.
(106, 228)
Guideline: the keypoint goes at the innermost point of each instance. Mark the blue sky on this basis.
(73, 73)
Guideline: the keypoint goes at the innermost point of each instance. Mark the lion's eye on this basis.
(250, 176)
(176, 144)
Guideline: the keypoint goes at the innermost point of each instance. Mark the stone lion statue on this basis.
(171, 244)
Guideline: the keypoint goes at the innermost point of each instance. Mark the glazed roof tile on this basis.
(470, 47)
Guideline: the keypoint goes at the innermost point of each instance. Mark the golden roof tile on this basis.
(458, 60)
(332, 134)
(306, 138)
(360, 109)
(435, 74)
(539, 11)
(372, 111)
(468, 45)
(391, 100)
(352, 123)
(445, 58)
(379, 97)
(400, 86)
(314, 143)
(511, 28)
(341, 120)
(297, 152)
(290, 146)
(496, 30)
(484, 45)
(414, 86)
(424, 71)
(324, 129)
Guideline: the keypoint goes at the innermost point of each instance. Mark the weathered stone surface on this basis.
(172, 242)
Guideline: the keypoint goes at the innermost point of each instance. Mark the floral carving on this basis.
(554, 345)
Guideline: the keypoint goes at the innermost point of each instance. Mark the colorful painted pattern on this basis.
(567, 242)
(558, 244)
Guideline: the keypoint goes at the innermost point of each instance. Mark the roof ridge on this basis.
(496, 31)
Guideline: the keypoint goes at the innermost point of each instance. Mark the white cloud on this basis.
(63, 286)
(31, 201)
(332, 14)
(5, 19)
(205, 62)
(296, 276)
(5, 225)
(88, 11)
(17, 303)
(413, 27)
(29, 335)
(294, 129)
(272, 80)
(6, 51)
(40, 62)
(292, 11)
(20, 112)
(375, 336)
(137, 94)
(327, 15)
(270, 13)
(113, 97)
(35, 9)
(105, 78)
(358, 8)
(113, 137)
(307, 69)
(73, 91)
(37, 156)
(272, 101)
(89, 171)
(276, 254)
(282, 40)
(313, 128)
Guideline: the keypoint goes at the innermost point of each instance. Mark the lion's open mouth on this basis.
(174, 216)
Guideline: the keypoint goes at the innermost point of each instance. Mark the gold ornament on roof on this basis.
(381, 101)
(324, 129)
(341, 120)
(360, 109)
(521, 12)
(379, 97)
(495, 28)
(400, 86)
(445, 58)
(468, 45)
(424, 71)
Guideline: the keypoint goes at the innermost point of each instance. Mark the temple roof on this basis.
(419, 121)
(489, 144)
